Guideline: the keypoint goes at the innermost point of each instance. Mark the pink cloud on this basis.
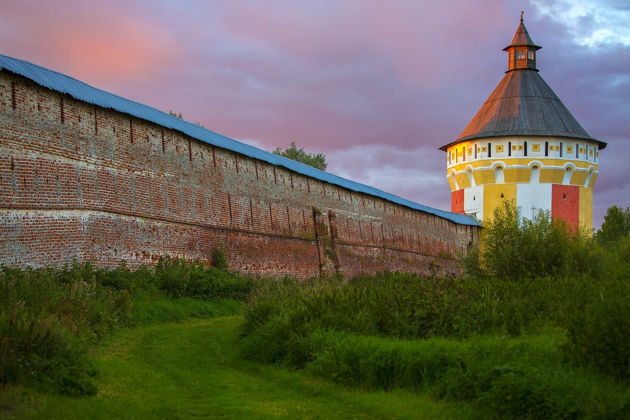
(101, 42)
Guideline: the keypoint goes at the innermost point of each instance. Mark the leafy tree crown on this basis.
(292, 152)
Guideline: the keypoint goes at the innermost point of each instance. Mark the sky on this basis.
(377, 86)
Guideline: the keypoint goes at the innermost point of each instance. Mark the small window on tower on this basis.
(520, 55)
(531, 55)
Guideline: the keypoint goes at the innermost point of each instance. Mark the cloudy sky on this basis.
(376, 85)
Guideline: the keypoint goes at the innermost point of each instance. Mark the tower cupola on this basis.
(522, 50)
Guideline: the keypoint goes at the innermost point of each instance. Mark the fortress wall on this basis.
(80, 181)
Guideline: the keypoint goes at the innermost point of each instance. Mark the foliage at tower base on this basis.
(585, 279)
(513, 248)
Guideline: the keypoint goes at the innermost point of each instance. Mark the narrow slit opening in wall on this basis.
(561, 149)
(13, 99)
(524, 148)
(95, 121)
(251, 213)
(489, 150)
(62, 115)
(509, 148)
(546, 148)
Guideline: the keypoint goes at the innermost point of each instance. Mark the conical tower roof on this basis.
(523, 104)
(521, 37)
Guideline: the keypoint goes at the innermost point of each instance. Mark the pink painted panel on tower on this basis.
(565, 204)
(457, 201)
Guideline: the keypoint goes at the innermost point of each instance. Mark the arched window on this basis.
(589, 177)
(535, 175)
(498, 175)
(471, 178)
(568, 173)
(454, 179)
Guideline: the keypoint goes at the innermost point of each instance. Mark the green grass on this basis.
(192, 370)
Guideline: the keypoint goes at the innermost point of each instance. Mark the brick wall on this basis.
(80, 181)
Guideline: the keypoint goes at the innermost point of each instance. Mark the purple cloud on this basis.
(377, 86)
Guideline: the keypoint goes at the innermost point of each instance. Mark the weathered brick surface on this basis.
(79, 181)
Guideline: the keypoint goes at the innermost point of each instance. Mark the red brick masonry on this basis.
(80, 181)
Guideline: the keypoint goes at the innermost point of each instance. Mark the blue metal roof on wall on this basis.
(84, 92)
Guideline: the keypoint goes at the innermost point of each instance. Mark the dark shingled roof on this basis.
(521, 37)
(523, 104)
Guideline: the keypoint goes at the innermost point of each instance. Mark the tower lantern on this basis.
(522, 50)
(524, 145)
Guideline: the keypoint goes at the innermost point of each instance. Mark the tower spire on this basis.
(522, 50)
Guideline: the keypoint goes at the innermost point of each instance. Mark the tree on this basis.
(317, 161)
(181, 117)
(513, 247)
(615, 227)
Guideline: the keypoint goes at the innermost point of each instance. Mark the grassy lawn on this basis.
(192, 370)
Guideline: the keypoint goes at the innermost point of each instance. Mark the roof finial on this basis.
(522, 13)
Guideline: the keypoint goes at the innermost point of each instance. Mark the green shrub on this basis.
(598, 331)
(515, 248)
(504, 377)
(41, 353)
(49, 316)
(219, 259)
(179, 278)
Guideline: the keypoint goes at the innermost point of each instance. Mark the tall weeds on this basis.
(532, 285)
(49, 316)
